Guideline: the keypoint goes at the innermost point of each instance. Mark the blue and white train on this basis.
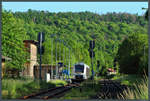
(81, 71)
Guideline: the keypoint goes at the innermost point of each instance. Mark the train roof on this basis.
(81, 63)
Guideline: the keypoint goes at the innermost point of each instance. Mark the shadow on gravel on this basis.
(110, 89)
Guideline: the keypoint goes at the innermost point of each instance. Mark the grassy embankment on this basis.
(16, 88)
(138, 83)
(127, 79)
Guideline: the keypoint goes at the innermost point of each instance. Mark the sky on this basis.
(97, 7)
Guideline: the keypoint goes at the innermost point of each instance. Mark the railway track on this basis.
(51, 93)
(110, 89)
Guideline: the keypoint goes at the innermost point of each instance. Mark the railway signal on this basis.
(60, 64)
(92, 54)
(98, 63)
(42, 50)
(41, 39)
(115, 60)
(92, 44)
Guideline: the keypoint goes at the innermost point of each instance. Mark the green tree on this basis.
(13, 34)
(133, 54)
(77, 29)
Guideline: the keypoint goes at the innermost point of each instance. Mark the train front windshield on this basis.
(79, 68)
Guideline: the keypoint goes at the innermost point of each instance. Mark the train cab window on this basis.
(79, 68)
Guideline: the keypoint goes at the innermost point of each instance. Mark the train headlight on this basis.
(73, 76)
(84, 76)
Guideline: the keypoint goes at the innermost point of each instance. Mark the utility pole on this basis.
(70, 61)
(59, 56)
(69, 64)
(52, 60)
(78, 50)
(40, 57)
(60, 52)
(92, 67)
(56, 60)
(66, 61)
(63, 59)
(144, 56)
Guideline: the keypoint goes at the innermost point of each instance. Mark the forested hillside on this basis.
(73, 29)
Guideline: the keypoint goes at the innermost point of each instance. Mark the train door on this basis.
(87, 72)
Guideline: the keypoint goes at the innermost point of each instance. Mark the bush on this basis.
(58, 82)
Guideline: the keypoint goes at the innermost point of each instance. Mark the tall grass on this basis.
(10, 87)
(139, 91)
(16, 88)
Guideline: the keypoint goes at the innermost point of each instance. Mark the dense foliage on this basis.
(133, 54)
(13, 34)
(75, 30)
